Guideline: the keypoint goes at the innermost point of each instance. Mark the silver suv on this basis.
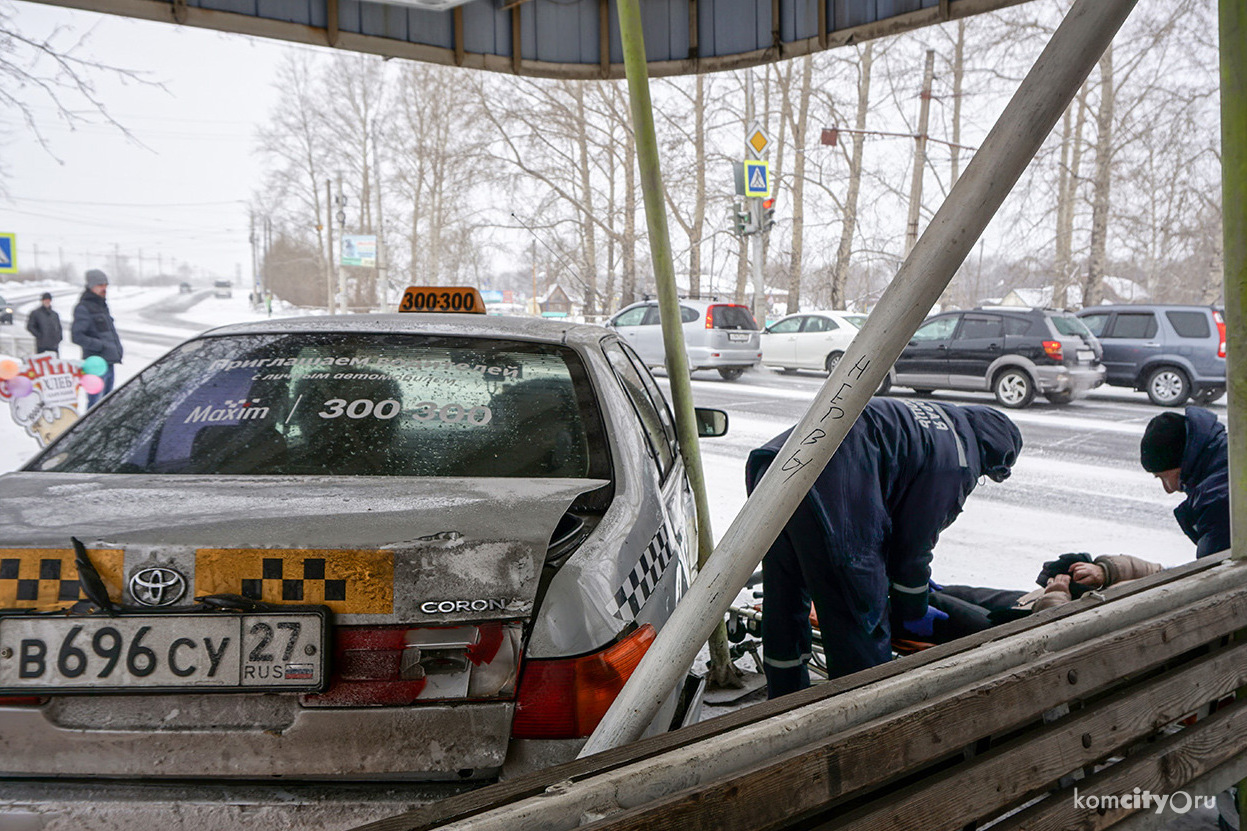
(722, 336)
(1170, 352)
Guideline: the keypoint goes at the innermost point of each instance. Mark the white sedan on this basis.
(809, 340)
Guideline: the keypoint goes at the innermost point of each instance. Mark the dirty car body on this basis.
(413, 548)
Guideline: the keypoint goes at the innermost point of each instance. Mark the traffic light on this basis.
(768, 213)
(742, 219)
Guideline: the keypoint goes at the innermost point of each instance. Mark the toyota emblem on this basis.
(157, 586)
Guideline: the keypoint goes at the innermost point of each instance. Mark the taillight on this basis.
(22, 700)
(710, 317)
(567, 697)
(1052, 348)
(1220, 321)
(398, 665)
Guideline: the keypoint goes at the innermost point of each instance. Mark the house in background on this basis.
(1116, 290)
(558, 303)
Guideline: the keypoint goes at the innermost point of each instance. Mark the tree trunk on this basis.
(589, 277)
(1093, 287)
(844, 252)
(799, 133)
(1067, 198)
(699, 203)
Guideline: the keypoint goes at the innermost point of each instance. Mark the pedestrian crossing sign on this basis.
(757, 178)
(8, 253)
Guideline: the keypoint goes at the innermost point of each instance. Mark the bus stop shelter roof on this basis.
(559, 38)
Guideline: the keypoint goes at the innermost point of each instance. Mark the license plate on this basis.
(1086, 355)
(738, 337)
(211, 652)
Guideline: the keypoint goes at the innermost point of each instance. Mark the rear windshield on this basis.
(732, 317)
(346, 404)
(1070, 325)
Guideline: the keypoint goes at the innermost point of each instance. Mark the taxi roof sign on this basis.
(451, 299)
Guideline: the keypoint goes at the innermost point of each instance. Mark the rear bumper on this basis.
(700, 357)
(1076, 380)
(51, 805)
(450, 743)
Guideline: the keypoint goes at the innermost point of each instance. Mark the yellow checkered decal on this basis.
(46, 579)
(348, 582)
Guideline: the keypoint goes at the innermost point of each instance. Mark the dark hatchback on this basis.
(1013, 353)
(1170, 352)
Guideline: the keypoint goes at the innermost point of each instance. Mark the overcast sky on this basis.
(180, 189)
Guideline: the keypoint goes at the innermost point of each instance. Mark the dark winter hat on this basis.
(95, 277)
(1164, 442)
(47, 295)
(1000, 441)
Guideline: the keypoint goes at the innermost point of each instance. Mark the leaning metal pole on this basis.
(1233, 26)
(1041, 98)
(635, 68)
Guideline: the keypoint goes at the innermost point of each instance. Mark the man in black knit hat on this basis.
(1187, 453)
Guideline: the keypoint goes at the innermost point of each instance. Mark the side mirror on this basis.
(710, 423)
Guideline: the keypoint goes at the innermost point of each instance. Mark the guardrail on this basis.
(1115, 695)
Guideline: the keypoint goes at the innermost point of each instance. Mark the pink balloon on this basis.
(92, 384)
(19, 386)
(8, 368)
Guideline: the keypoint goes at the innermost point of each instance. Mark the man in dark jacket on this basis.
(45, 325)
(1189, 454)
(94, 331)
(859, 544)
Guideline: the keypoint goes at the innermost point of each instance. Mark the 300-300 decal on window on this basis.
(451, 413)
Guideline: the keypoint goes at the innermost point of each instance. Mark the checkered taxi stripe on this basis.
(348, 582)
(46, 579)
(644, 577)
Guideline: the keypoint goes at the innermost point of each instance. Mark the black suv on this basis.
(1170, 352)
(1013, 353)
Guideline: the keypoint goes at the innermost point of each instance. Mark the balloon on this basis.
(95, 365)
(19, 386)
(8, 368)
(92, 384)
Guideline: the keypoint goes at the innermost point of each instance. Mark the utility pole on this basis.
(329, 288)
(920, 155)
(382, 271)
(341, 235)
(755, 209)
(252, 240)
(116, 260)
(36, 259)
(536, 309)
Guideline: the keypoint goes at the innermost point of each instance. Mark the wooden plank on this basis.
(1164, 767)
(456, 21)
(797, 783)
(517, 41)
(536, 783)
(1005, 776)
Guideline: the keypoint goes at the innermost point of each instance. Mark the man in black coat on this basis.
(859, 545)
(1188, 453)
(45, 325)
(94, 331)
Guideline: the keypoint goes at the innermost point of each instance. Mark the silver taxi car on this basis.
(417, 549)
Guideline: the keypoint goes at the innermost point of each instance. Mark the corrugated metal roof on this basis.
(560, 38)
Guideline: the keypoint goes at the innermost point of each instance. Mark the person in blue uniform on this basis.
(1188, 453)
(859, 544)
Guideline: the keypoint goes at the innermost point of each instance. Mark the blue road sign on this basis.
(8, 253)
(757, 178)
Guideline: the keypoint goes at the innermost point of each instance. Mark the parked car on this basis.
(185, 288)
(722, 336)
(388, 548)
(1013, 353)
(6, 312)
(809, 340)
(1170, 352)
(222, 288)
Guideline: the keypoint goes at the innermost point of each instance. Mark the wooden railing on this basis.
(1129, 690)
